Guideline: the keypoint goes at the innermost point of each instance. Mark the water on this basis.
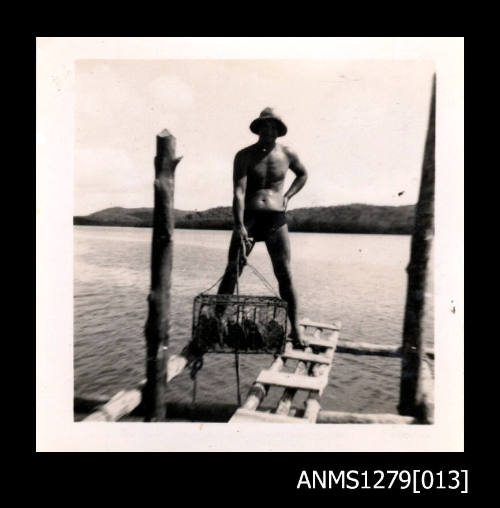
(358, 279)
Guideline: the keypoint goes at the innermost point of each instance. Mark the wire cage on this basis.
(239, 324)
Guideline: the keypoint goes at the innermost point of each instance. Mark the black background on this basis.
(233, 478)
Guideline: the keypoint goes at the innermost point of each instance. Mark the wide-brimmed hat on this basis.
(268, 114)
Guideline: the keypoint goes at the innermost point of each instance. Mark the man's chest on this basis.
(271, 166)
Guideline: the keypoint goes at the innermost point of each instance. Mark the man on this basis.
(259, 207)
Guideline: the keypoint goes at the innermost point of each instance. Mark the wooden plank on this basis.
(306, 357)
(346, 417)
(247, 416)
(289, 380)
(318, 341)
(335, 326)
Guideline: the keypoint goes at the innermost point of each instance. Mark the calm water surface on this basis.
(358, 279)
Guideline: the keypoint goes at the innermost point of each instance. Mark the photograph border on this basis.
(56, 430)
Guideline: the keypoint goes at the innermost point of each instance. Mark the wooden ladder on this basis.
(311, 375)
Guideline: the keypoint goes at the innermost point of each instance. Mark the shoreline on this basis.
(230, 229)
(350, 219)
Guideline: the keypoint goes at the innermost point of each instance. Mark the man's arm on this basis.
(300, 179)
(239, 190)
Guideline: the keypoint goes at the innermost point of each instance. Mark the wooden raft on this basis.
(311, 375)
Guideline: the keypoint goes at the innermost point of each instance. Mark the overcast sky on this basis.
(358, 127)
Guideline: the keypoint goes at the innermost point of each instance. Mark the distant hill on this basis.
(353, 218)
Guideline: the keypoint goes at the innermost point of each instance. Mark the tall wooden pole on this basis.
(412, 400)
(157, 328)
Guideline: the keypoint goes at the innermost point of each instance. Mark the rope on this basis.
(237, 366)
(195, 368)
(264, 280)
(193, 399)
(255, 271)
(238, 273)
(236, 355)
(213, 285)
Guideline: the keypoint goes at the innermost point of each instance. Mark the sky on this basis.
(358, 127)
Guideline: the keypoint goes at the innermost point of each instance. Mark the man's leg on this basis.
(278, 246)
(228, 282)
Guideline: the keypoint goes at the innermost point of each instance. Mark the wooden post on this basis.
(410, 400)
(157, 328)
(426, 393)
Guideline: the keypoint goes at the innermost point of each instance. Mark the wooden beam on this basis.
(248, 416)
(361, 348)
(157, 328)
(366, 348)
(346, 417)
(176, 410)
(421, 242)
(118, 406)
(121, 404)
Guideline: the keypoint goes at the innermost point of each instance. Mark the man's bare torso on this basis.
(266, 171)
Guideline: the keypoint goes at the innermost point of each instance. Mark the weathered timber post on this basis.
(412, 399)
(157, 328)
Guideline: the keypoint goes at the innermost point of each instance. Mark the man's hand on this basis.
(246, 243)
(285, 202)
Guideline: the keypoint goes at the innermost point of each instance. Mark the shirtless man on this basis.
(259, 206)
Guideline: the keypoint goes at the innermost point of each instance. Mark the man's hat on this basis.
(268, 114)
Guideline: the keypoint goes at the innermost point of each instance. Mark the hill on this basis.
(353, 218)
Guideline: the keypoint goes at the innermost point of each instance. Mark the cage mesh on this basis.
(239, 323)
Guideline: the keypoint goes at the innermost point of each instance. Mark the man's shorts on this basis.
(262, 223)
